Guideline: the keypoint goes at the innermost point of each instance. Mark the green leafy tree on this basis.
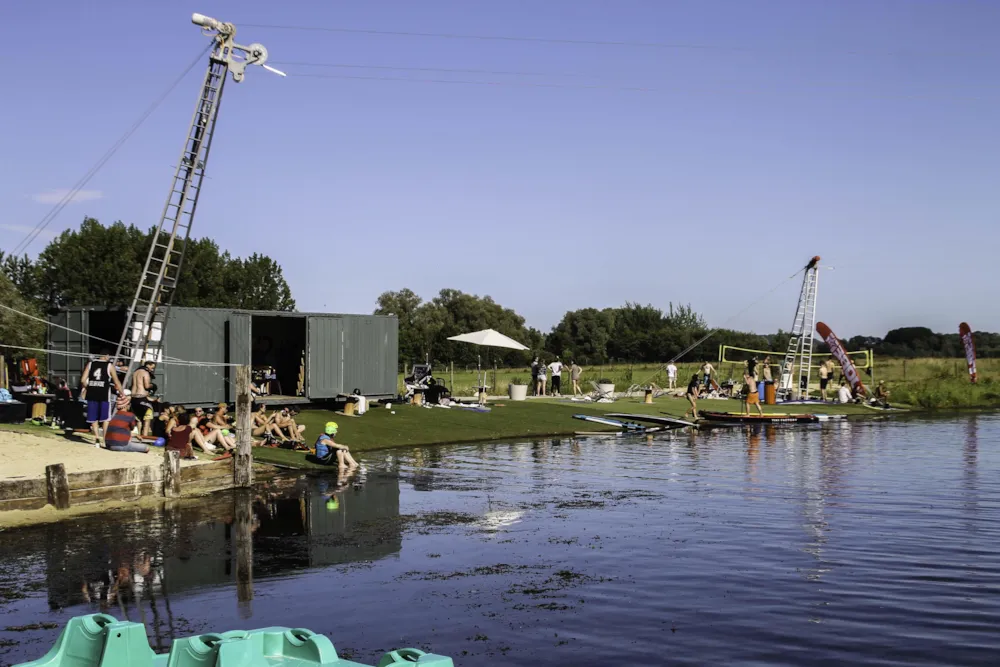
(405, 305)
(101, 266)
(92, 266)
(203, 276)
(257, 283)
(15, 329)
(23, 273)
(582, 335)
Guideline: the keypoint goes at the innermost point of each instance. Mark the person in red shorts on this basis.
(118, 434)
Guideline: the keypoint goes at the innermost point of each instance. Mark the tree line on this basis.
(98, 265)
(632, 333)
(101, 266)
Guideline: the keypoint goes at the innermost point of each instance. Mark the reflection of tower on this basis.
(819, 472)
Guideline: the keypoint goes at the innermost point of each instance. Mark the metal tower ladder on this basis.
(143, 337)
(800, 345)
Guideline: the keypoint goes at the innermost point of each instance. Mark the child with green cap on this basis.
(327, 449)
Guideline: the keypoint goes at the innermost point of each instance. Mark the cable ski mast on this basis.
(142, 339)
(800, 345)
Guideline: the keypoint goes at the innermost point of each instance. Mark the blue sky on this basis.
(770, 131)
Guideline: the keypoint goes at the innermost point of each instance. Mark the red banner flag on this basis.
(840, 354)
(970, 349)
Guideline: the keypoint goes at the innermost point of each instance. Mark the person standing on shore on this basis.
(751, 397)
(98, 378)
(574, 375)
(542, 378)
(142, 383)
(706, 370)
(692, 396)
(671, 376)
(824, 379)
(556, 368)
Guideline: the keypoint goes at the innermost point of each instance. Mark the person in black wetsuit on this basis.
(435, 392)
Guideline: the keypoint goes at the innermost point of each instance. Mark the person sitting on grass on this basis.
(181, 434)
(328, 451)
(264, 426)
(844, 394)
(694, 386)
(207, 435)
(882, 394)
(436, 392)
(118, 434)
(285, 421)
(221, 416)
(162, 421)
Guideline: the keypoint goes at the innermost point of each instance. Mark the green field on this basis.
(412, 425)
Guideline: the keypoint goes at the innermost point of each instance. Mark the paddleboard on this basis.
(610, 422)
(653, 419)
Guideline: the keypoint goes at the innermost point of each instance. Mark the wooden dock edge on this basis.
(116, 484)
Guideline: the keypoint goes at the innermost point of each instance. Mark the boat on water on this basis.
(740, 418)
(100, 640)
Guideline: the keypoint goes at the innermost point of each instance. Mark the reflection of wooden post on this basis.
(243, 522)
(171, 473)
(243, 465)
(57, 486)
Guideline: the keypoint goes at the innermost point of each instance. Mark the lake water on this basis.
(866, 543)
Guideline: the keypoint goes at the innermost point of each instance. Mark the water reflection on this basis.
(970, 473)
(129, 568)
(862, 543)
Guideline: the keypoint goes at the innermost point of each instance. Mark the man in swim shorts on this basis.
(751, 396)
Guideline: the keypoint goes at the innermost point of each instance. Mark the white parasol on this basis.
(487, 338)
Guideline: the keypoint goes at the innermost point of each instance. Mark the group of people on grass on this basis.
(137, 414)
(541, 372)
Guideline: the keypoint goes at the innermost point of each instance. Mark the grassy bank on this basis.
(927, 383)
(947, 394)
(412, 426)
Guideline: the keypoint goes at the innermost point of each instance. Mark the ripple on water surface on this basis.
(862, 542)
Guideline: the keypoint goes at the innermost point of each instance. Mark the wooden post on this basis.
(243, 523)
(57, 486)
(243, 463)
(452, 387)
(171, 473)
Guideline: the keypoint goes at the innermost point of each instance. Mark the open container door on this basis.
(238, 349)
(324, 357)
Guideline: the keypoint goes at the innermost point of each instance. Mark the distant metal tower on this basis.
(142, 338)
(800, 345)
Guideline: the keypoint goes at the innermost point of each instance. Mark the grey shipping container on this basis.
(316, 356)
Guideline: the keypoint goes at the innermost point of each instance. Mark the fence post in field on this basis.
(243, 463)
